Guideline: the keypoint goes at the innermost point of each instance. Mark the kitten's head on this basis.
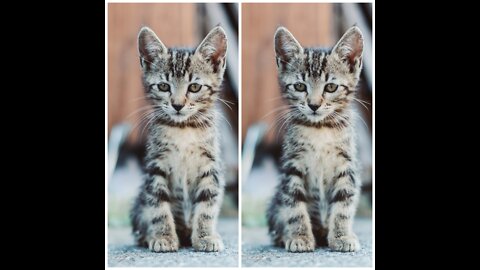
(182, 84)
(318, 84)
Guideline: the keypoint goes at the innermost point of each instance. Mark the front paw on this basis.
(208, 244)
(347, 243)
(300, 244)
(163, 244)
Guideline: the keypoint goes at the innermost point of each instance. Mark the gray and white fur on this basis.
(180, 199)
(315, 202)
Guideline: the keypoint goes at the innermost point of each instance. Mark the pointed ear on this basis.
(213, 48)
(149, 46)
(350, 48)
(286, 46)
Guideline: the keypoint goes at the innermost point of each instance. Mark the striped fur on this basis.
(315, 201)
(180, 199)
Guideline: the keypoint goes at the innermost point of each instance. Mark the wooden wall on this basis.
(174, 24)
(311, 24)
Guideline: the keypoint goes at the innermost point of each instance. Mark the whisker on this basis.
(147, 61)
(228, 101)
(361, 102)
(226, 104)
(287, 63)
(285, 107)
(141, 109)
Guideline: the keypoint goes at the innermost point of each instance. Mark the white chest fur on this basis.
(320, 155)
(186, 161)
(321, 159)
(185, 158)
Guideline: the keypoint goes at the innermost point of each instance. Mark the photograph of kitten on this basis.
(307, 126)
(180, 199)
(316, 199)
(172, 128)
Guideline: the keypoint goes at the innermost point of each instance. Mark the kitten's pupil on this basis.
(300, 87)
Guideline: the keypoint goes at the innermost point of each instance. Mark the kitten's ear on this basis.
(286, 46)
(350, 48)
(149, 46)
(213, 48)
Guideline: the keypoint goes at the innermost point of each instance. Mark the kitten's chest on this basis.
(321, 157)
(187, 154)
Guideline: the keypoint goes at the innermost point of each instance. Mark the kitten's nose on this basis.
(313, 107)
(178, 107)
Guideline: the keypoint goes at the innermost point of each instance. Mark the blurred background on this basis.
(313, 25)
(182, 25)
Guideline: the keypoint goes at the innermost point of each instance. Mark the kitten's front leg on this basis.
(161, 235)
(207, 202)
(297, 234)
(343, 201)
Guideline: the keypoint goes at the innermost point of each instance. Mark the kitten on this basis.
(315, 202)
(180, 198)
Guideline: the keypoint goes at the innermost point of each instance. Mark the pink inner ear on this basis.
(285, 47)
(149, 46)
(285, 52)
(357, 47)
(215, 56)
(220, 48)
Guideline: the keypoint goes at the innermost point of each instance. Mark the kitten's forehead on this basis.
(311, 64)
(315, 62)
(178, 62)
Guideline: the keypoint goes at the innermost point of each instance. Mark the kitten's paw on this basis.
(300, 244)
(208, 244)
(164, 244)
(347, 243)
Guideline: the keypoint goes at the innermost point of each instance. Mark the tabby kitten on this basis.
(315, 202)
(180, 198)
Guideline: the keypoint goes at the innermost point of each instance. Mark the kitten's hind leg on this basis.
(207, 202)
(275, 224)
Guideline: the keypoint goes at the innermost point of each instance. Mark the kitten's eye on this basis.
(331, 87)
(194, 87)
(301, 87)
(164, 87)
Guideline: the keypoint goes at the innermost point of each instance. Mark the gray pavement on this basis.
(258, 252)
(122, 252)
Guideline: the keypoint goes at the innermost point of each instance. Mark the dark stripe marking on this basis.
(349, 172)
(295, 219)
(206, 216)
(205, 195)
(160, 194)
(158, 219)
(208, 155)
(156, 171)
(293, 171)
(341, 196)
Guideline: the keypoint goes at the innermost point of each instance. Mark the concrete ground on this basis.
(258, 252)
(122, 252)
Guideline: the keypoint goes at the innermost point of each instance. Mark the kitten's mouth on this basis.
(315, 116)
(179, 117)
